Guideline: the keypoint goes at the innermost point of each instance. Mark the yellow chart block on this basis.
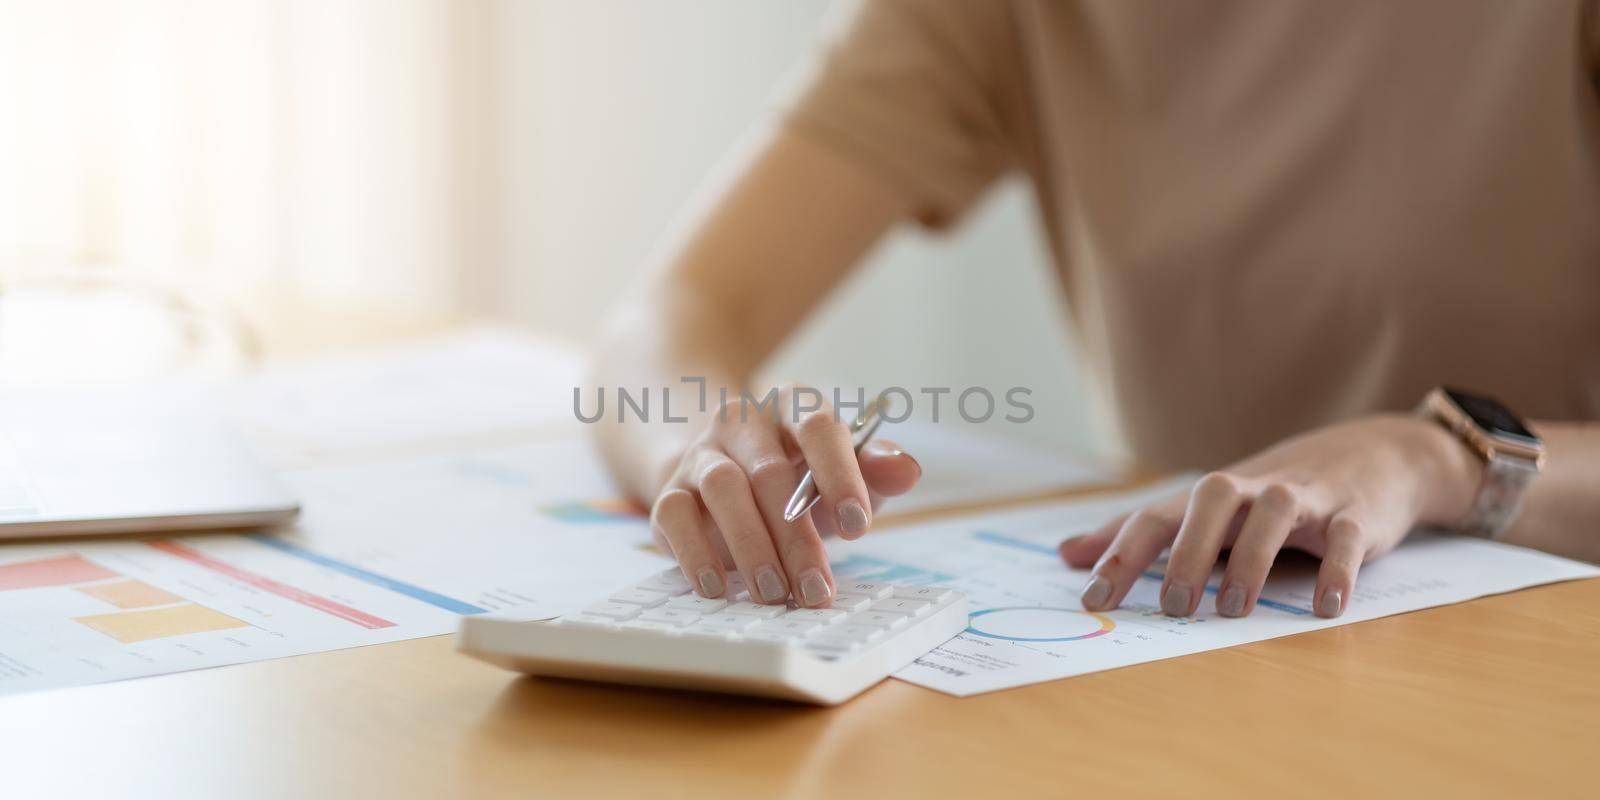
(131, 594)
(157, 623)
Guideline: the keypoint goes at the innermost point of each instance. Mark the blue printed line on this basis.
(858, 567)
(1260, 601)
(414, 592)
(1035, 547)
(1009, 541)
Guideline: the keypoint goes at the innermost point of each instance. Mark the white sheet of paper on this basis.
(1027, 625)
(387, 550)
(962, 465)
(532, 530)
(472, 387)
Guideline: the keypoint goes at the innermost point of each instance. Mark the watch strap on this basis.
(1505, 481)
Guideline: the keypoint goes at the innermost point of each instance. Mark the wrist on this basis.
(1450, 474)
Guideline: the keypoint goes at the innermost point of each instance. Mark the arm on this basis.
(793, 221)
(1561, 513)
(914, 108)
(1347, 493)
(790, 224)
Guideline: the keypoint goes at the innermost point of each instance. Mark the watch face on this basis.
(1490, 415)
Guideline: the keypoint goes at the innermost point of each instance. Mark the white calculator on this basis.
(658, 633)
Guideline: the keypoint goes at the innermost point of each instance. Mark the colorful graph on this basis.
(138, 626)
(603, 510)
(1039, 624)
(266, 584)
(174, 616)
(409, 590)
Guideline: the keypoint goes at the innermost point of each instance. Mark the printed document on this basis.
(1027, 625)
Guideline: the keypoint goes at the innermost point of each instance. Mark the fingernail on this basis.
(710, 582)
(1096, 593)
(769, 585)
(814, 589)
(1175, 600)
(1231, 602)
(914, 461)
(852, 517)
(1330, 603)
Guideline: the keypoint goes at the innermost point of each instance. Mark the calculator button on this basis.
(931, 594)
(875, 591)
(730, 622)
(826, 616)
(694, 602)
(640, 597)
(877, 619)
(671, 582)
(792, 627)
(587, 621)
(757, 610)
(781, 637)
(671, 616)
(647, 625)
(832, 644)
(708, 632)
(664, 588)
(614, 610)
(910, 608)
(851, 602)
(860, 633)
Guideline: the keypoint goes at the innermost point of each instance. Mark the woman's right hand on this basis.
(722, 506)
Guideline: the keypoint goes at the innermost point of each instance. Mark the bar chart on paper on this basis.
(1027, 626)
(384, 550)
(142, 611)
(103, 611)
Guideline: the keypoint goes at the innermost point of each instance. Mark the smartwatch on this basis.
(1512, 455)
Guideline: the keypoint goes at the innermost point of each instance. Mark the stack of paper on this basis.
(450, 478)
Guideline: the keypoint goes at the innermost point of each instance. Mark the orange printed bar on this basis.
(130, 594)
(129, 627)
(60, 571)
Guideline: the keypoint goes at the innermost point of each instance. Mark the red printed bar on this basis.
(60, 571)
(300, 596)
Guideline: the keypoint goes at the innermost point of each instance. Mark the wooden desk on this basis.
(1498, 697)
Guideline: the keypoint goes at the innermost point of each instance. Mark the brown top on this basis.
(1269, 215)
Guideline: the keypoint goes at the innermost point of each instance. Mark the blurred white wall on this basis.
(617, 111)
(316, 164)
(296, 149)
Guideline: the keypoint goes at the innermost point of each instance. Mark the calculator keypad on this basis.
(863, 614)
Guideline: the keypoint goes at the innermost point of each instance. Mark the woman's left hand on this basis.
(1346, 493)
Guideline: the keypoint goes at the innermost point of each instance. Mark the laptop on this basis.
(85, 465)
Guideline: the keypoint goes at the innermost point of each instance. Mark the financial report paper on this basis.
(1027, 626)
(387, 550)
(438, 480)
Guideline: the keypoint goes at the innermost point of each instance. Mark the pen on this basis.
(805, 495)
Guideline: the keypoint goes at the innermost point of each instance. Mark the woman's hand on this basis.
(1346, 493)
(722, 506)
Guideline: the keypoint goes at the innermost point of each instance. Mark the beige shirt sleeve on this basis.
(912, 90)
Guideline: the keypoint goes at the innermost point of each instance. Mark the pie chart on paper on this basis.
(1038, 624)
